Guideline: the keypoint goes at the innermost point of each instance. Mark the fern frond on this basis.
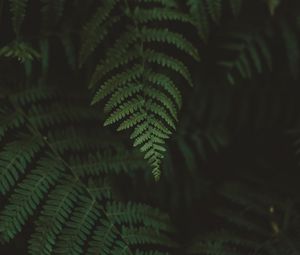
(214, 8)
(198, 11)
(108, 162)
(133, 214)
(45, 166)
(103, 238)
(131, 75)
(126, 76)
(78, 227)
(251, 52)
(142, 236)
(9, 120)
(18, 11)
(120, 96)
(164, 100)
(20, 50)
(15, 158)
(160, 14)
(96, 34)
(167, 84)
(27, 197)
(54, 215)
(143, 227)
(166, 36)
(167, 61)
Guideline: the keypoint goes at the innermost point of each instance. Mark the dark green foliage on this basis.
(19, 50)
(40, 178)
(135, 100)
(18, 12)
(69, 185)
(250, 52)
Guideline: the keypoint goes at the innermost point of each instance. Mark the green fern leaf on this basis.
(174, 39)
(78, 227)
(20, 50)
(54, 215)
(215, 9)
(15, 158)
(103, 238)
(18, 11)
(27, 197)
(53, 171)
(199, 13)
(251, 52)
(126, 76)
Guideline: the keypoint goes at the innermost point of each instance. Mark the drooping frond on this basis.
(18, 11)
(27, 196)
(20, 50)
(126, 74)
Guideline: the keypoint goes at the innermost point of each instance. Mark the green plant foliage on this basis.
(19, 50)
(68, 185)
(140, 97)
(38, 175)
(18, 12)
(251, 53)
(204, 12)
(215, 9)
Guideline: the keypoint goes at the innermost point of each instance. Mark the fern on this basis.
(205, 11)
(252, 54)
(18, 11)
(214, 8)
(125, 74)
(19, 50)
(199, 13)
(41, 171)
(72, 182)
